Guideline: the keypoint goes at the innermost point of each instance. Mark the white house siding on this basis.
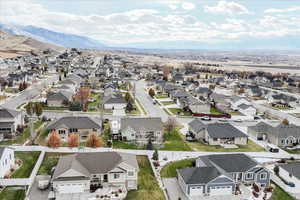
(74, 186)
(204, 108)
(129, 133)
(182, 184)
(55, 103)
(288, 177)
(82, 132)
(241, 140)
(249, 112)
(7, 161)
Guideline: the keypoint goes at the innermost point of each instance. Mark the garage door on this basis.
(70, 188)
(196, 191)
(221, 190)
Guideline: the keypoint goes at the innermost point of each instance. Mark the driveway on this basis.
(173, 190)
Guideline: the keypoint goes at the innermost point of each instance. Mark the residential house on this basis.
(86, 172)
(281, 99)
(281, 135)
(247, 110)
(202, 93)
(114, 101)
(235, 101)
(73, 124)
(221, 174)
(141, 130)
(7, 160)
(217, 133)
(193, 105)
(59, 99)
(290, 173)
(9, 122)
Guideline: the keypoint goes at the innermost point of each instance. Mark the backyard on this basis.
(179, 111)
(215, 111)
(161, 96)
(250, 147)
(22, 138)
(28, 162)
(12, 193)
(50, 161)
(148, 187)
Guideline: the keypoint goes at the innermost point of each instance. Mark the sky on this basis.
(139, 21)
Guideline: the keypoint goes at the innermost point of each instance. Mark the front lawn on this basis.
(280, 194)
(22, 138)
(148, 187)
(124, 145)
(161, 96)
(12, 193)
(54, 108)
(174, 142)
(179, 111)
(166, 103)
(215, 111)
(28, 162)
(50, 161)
(169, 170)
(250, 147)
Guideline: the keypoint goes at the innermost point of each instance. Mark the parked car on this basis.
(205, 118)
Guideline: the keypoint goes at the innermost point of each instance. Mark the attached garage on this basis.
(196, 190)
(220, 190)
(70, 188)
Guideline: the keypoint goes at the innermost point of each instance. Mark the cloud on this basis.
(284, 10)
(187, 6)
(227, 8)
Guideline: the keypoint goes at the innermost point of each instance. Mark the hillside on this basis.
(14, 45)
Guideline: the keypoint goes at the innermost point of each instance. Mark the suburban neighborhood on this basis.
(80, 120)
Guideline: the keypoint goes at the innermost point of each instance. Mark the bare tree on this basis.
(170, 125)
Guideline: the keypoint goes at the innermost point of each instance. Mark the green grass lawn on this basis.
(125, 145)
(161, 96)
(23, 138)
(174, 142)
(251, 147)
(169, 170)
(214, 111)
(293, 151)
(280, 194)
(29, 159)
(166, 103)
(12, 193)
(50, 161)
(55, 108)
(175, 111)
(235, 113)
(95, 104)
(148, 187)
(141, 106)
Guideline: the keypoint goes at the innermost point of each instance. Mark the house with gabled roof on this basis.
(75, 124)
(221, 174)
(9, 121)
(7, 160)
(141, 130)
(59, 99)
(87, 172)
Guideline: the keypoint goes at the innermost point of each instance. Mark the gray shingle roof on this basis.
(232, 162)
(148, 124)
(198, 175)
(114, 99)
(61, 95)
(292, 168)
(197, 125)
(223, 130)
(93, 163)
(74, 122)
(8, 113)
(244, 106)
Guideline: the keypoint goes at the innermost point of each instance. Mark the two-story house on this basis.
(7, 160)
(140, 130)
(9, 121)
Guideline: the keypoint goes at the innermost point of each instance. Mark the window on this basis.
(263, 176)
(215, 139)
(116, 176)
(282, 141)
(61, 132)
(249, 176)
(130, 173)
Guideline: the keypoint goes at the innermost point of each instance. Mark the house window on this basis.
(290, 175)
(215, 139)
(130, 173)
(61, 132)
(249, 176)
(283, 141)
(263, 176)
(116, 176)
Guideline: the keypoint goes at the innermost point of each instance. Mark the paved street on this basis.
(29, 93)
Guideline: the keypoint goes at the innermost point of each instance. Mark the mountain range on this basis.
(77, 41)
(49, 36)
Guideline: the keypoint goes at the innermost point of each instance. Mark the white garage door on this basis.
(70, 188)
(221, 190)
(196, 191)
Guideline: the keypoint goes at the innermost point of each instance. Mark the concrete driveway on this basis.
(173, 190)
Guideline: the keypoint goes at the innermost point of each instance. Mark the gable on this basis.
(221, 179)
(71, 173)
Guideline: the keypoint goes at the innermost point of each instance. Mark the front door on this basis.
(105, 178)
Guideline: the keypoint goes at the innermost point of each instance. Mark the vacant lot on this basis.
(148, 187)
(174, 142)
